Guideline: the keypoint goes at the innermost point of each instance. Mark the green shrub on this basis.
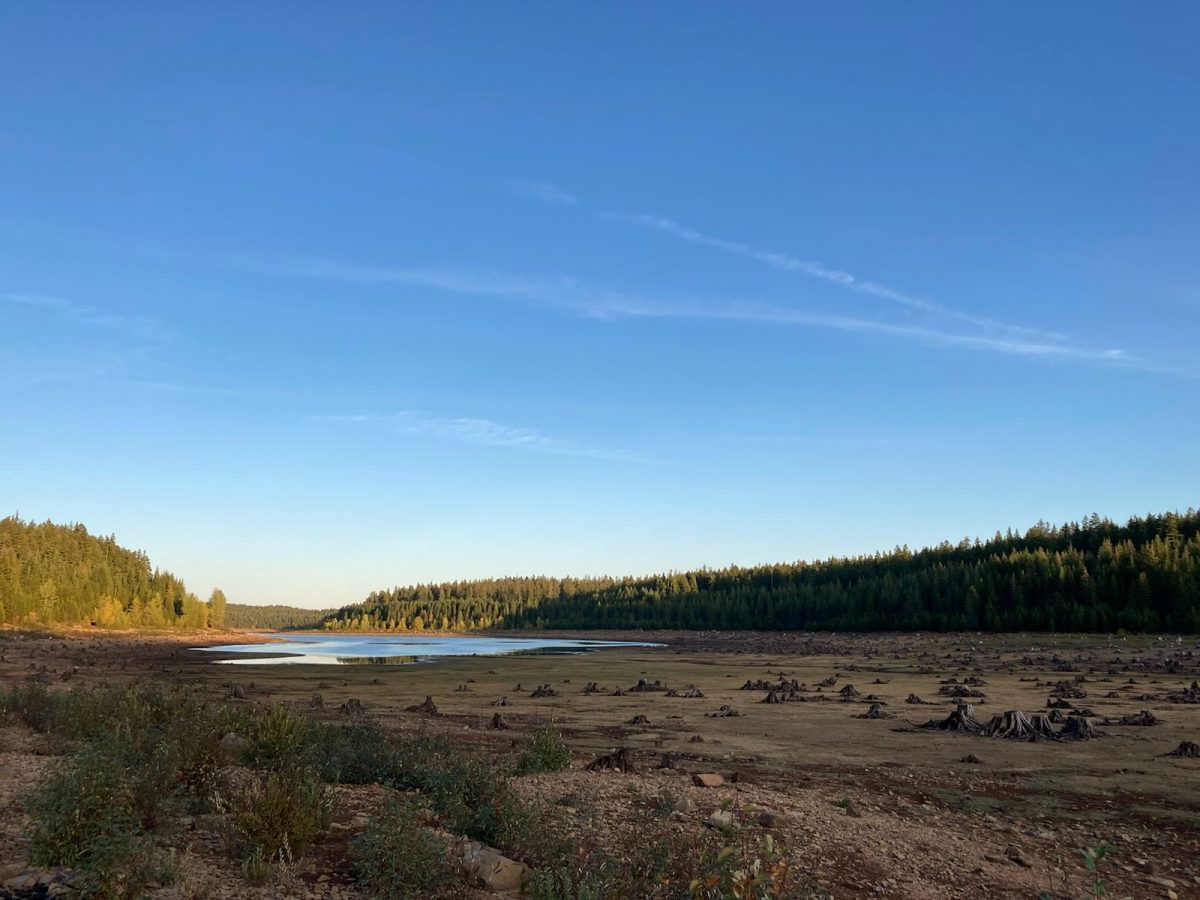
(277, 738)
(562, 884)
(84, 819)
(545, 751)
(31, 704)
(279, 814)
(395, 858)
(352, 754)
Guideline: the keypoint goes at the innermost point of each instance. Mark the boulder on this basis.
(707, 780)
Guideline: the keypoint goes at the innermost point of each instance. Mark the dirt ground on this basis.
(869, 806)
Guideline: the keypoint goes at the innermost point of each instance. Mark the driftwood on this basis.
(497, 722)
(620, 760)
(1186, 750)
(1145, 717)
(724, 712)
(962, 719)
(428, 707)
(501, 701)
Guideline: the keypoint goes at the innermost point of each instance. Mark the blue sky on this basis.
(309, 301)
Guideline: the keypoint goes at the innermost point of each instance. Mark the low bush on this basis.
(545, 751)
(277, 738)
(395, 858)
(84, 819)
(352, 754)
(280, 813)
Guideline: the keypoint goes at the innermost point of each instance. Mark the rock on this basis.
(721, 820)
(684, 805)
(1016, 855)
(231, 748)
(707, 780)
(491, 868)
(770, 819)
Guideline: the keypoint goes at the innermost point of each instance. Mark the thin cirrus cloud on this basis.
(543, 191)
(784, 262)
(572, 295)
(484, 432)
(79, 314)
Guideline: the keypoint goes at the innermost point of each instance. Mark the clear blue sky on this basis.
(309, 299)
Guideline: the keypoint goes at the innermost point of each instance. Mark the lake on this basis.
(397, 650)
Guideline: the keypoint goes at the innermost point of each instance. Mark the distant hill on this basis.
(60, 574)
(275, 618)
(1093, 575)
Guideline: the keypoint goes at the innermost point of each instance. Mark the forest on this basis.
(273, 617)
(1093, 575)
(62, 575)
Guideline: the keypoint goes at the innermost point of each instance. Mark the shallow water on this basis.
(398, 650)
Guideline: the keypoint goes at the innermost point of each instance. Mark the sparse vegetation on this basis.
(545, 751)
(395, 857)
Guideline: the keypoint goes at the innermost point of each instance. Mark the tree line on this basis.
(274, 617)
(62, 575)
(1093, 575)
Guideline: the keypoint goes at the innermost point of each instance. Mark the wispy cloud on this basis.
(77, 313)
(469, 430)
(784, 262)
(544, 192)
(576, 296)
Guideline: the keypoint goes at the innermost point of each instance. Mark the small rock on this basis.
(769, 818)
(721, 820)
(708, 780)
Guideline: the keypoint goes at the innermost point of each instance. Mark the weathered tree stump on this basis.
(352, 707)
(1013, 725)
(875, 712)
(544, 690)
(592, 688)
(1186, 750)
(693, 693)
(317, 702)
(638, 720)
(1078, 728)
(772, 697)
(427, 707)
(914, 700)
(961, 720)
(848, 693)
(498, 722)
(620, 760)
(1145, 717)
(724, 712)
(643, 687)
(501, 701)
(972, 759)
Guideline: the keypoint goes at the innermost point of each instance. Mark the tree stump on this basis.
(352, 707)
(1078, 728)
(620, 760)
(875, 712)
(848, 693)
(1013, 724)
(498, 722)
(544, 690)
(317, 702)
(427, 707)
(724, 712)
(961, 720)
(914, 700)
(771, 697)
(1145, 717)
(502, 701)
(638, 720)
(1186, 750)
(693, 693)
